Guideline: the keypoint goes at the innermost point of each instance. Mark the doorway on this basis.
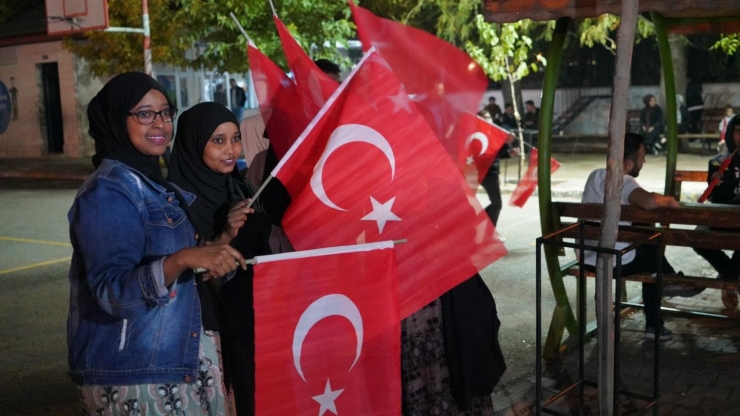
(52, 108)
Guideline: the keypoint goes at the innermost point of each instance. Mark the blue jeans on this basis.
(238, 112)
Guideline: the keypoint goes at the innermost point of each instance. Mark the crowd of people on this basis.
(636, 146)
(146, 331)
(147, 334)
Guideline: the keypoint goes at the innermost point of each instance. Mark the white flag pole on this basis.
(319, 252)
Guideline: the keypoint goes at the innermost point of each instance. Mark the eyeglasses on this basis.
(146, 117)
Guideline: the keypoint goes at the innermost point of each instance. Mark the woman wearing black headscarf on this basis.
(203, 160)
(136, 337)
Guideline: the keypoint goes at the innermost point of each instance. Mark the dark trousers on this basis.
(493, 189)
(644, 263)
(695, 124)
(727, 267)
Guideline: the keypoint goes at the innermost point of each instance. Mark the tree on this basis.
(10, 9)
(503, 51)
(180, 24)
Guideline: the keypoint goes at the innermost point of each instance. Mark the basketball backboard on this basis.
(66, 17)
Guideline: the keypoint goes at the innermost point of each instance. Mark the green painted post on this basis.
(670, 97)
(563, 314)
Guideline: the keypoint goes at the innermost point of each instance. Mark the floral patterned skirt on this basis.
(205, 397)
(424, 371)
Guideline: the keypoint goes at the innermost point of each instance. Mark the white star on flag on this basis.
(400, 102)
(469, 160)
(381, 213)
(327, 399)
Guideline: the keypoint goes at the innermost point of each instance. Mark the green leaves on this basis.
(504, 51)
(200, 33)
(727, 44)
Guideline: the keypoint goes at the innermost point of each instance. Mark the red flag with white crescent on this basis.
(444, 81)
(327, 332)
(368, 168)
(480, 149)
(528, 183)
(315, 86)
(279, 101)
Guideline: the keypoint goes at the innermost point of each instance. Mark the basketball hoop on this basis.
(69, 17)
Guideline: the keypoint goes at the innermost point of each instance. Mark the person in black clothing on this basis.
(695, 104)
(329, 68)
(238, 99)
(651, 124)
(219, 96)
(530, 122)
(491, 181)
(684, 118)
(726, 192)
(508, 119)
(493, 109)
(203, 163)
(531, 115)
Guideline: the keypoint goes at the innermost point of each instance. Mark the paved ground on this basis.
(568, 181)
(701, 363)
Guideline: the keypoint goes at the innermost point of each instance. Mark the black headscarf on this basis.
(108, 112)
(215, 192)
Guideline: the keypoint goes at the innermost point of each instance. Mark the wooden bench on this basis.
(689, 214)
(706, 139)
(681, 176)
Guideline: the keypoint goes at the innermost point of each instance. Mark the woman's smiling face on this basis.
(150, 139)
(223, 148)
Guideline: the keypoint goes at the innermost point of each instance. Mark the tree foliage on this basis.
(504, 50)
(177, 26)
(727, 44)
(9, 9)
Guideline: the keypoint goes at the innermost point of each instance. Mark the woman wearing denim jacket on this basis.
(135, 330)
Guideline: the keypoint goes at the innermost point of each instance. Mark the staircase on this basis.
(567, 116)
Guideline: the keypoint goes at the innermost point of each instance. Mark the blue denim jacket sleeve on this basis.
(111, 234)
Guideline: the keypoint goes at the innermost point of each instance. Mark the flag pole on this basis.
(255, 261)
(249, 40)
(272, 6)
(259, 191)
(241, 28)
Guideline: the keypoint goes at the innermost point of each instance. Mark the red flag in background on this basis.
(279, 101)
(327, 332)
(315, 86)
(444, 81)
(528, 183)
(368, 168)
(480, 149)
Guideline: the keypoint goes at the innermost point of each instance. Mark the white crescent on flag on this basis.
(482, 138)
(329, 305)
(344, 134)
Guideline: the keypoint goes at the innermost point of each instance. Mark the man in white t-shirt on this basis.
(642, 259)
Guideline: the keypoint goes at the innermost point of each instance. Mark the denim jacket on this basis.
(125, 327)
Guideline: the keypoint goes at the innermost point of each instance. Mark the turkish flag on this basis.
(279, 101)
(327, 332)
(314, 85)
(368, 168)
(528, 182)
(444, 81)
(480, 149)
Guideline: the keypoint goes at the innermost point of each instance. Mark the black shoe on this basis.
(665, 334)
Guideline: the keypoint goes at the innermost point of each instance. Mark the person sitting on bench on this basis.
(727, 191)
(642, 259)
